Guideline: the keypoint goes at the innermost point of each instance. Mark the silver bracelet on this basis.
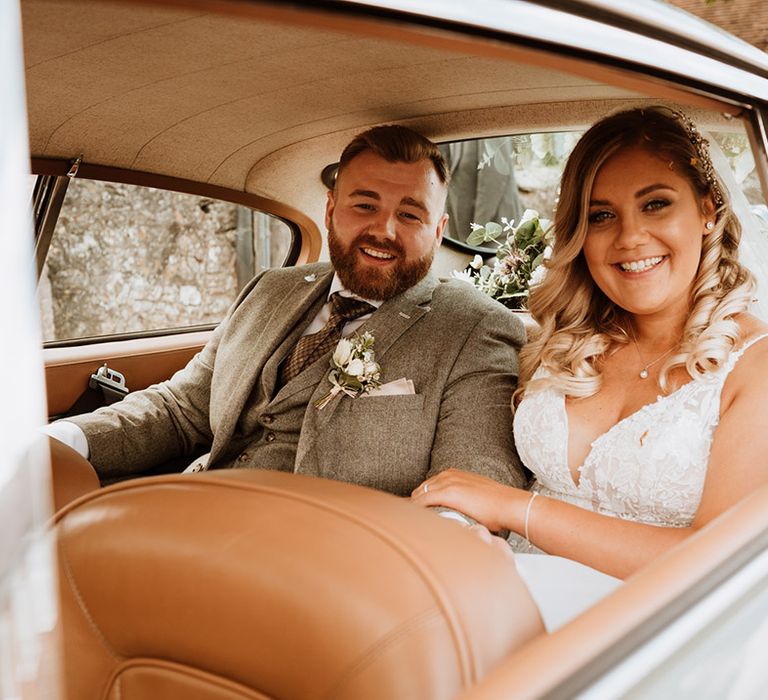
(528, 514)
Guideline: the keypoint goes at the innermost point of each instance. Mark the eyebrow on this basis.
(365, 193)
(640, 193)
(409, 201)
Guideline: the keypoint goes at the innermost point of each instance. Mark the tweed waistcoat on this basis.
(267, 433)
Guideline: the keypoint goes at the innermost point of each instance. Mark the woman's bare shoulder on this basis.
(750, 374)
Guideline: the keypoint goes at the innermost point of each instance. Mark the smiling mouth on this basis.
(640, 265)
(378, 254)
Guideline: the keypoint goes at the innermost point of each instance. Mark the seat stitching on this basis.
(81, 602)
(367, 657)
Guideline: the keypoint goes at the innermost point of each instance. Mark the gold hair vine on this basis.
(702, 149)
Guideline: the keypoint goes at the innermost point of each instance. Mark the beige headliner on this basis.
(217, 98)
(255, 105)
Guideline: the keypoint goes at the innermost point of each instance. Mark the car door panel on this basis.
(142, 361)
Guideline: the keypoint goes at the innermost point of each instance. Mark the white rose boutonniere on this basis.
(354, 370)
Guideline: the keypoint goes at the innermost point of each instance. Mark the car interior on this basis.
(332, 590)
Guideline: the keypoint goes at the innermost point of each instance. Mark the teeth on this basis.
(641, 265)
(378, 254)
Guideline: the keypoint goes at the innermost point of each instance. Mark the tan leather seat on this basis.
(71, 474)
(257, 584)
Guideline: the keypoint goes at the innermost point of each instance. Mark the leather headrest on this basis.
(295, 587)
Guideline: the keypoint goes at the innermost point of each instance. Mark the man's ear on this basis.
(441, 228)
(329, 205)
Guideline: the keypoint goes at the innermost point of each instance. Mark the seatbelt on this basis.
(105, 387)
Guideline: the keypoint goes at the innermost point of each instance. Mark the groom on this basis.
(448, 354)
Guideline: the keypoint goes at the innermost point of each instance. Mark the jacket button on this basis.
(270, 437)
(268, 419)
(243, 457)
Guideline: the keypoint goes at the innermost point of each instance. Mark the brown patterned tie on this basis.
(311, 347)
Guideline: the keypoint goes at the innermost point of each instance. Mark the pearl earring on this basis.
(710, 225)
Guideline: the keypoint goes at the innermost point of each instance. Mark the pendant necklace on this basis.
(643, 374)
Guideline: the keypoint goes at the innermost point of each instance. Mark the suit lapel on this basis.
(395, 316)
(253, 354)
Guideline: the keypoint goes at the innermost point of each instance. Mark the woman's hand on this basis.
(487, 501)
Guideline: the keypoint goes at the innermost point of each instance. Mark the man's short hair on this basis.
(396, 144)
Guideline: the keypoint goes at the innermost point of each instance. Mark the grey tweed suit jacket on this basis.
(457, 346)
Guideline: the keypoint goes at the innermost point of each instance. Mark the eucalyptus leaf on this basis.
(477, 237)
(525, 232)
(492, 230)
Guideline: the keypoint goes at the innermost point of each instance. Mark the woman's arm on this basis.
(737, 466)
(611, 545)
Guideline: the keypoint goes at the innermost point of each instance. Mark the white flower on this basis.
(343, 352)
(477, 262)
(529, 214)
(370, 368)
(548, 252)
(537, 276)
(356, 368)
(462, 276)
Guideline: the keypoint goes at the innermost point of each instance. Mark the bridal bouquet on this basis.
(354, 369)
(520, 251)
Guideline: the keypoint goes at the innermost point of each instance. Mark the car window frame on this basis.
(305, 236)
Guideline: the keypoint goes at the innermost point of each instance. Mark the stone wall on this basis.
(126, 259)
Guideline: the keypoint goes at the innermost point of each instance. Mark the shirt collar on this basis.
(337, 286)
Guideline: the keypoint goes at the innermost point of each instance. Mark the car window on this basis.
(127, 259)
(501, 177)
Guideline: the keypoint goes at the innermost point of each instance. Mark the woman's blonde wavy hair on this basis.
(578, 323)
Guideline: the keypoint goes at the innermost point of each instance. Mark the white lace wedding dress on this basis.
(649, 467)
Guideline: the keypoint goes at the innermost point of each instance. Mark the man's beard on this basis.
(378, 284)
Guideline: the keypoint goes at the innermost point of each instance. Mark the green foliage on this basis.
(520, 252)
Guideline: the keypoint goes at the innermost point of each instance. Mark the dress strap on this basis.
(733, 359)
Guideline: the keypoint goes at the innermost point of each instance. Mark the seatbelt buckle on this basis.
(111, 382)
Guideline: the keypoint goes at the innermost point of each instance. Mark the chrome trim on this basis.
(758, 142)
(698, 55)
(47, 199)
(688, 602)
(637, 666)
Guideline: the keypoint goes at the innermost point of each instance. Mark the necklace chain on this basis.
(643, 374)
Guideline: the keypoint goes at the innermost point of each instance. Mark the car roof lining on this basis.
(140, 87)
(98, 86)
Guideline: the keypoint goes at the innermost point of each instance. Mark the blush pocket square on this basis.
(399, 387)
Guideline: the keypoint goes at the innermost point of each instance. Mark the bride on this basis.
(641, 402)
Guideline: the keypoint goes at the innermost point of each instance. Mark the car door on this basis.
(133, 277)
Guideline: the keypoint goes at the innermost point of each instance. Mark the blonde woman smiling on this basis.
(641, 402)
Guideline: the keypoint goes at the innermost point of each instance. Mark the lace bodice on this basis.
(649, 467)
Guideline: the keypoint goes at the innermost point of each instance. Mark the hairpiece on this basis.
(702, 149)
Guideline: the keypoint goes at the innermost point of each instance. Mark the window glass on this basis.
(495, 180)
(126, 259)
(503, 176)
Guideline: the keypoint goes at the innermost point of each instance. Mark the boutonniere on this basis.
(354, 370)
